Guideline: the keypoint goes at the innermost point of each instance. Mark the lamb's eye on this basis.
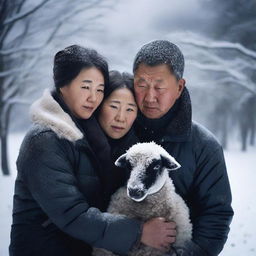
(157, 167)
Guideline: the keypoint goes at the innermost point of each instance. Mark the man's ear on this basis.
(121, 161)
(170, 163)
(181, 84)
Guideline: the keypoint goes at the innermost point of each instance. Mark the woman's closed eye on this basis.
(130, 109)
(85, 87)
(113, 106)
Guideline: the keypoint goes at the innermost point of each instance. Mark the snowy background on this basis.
(218, 39)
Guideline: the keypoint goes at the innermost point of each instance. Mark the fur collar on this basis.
(48, 113)
(179, 128)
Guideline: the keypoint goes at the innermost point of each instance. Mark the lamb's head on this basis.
(148, 164)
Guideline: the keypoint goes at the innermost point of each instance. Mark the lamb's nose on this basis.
(135, 193)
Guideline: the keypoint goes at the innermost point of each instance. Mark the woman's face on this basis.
(85, 92)
(118, 113)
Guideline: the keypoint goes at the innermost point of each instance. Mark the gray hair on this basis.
(161, 52)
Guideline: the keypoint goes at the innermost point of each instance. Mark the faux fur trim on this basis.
(48, 113)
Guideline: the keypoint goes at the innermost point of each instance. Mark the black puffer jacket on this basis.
(202, 180)
(58, 192)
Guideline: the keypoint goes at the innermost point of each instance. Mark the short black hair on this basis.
(161, 52)
(70, 61)
(119, 80)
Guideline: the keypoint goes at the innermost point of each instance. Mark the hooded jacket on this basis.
(58, 190)
(202, 180)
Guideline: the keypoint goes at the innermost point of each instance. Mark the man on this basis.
(165, 117)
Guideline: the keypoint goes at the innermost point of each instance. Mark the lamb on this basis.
(150, 193)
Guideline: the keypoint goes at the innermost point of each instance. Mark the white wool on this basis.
(144, 153)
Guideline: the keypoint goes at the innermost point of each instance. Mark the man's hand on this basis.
(159, 234)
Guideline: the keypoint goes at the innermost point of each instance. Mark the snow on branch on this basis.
(218, 45)
(19, 49)
(10, 72)
(79, 9)
(88, 27)
(18, 101)
(230, 80)
(235, 67)
(25, 14)
(64, 19)
(220, 68)
(236, 63)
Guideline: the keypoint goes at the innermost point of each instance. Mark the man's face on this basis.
(156, 89)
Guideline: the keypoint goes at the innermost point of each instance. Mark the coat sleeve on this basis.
(210, 202)
(48, 173)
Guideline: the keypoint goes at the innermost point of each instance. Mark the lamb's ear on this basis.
(121, 161)
(170, 163)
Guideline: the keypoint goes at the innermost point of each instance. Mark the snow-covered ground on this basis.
(242, 174)
(6, 193)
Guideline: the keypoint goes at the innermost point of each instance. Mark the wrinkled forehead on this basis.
(145, 72)
(145, 158)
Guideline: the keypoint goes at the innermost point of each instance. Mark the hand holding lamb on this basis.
(150, 193)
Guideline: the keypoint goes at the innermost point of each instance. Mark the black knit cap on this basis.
(161, 52)
(69, 62)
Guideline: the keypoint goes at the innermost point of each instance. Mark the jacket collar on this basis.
(48, 113)
(179, 129)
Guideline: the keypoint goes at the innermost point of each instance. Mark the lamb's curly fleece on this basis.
(165, 203)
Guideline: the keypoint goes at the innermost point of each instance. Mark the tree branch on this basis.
(65, 18)
(216, 67)
(19, 101)
(10, 72)
(219, 45)
(18, 40)
(25, 14)
(230, 80)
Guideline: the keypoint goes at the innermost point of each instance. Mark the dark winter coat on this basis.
(202, 180)
(58, 192)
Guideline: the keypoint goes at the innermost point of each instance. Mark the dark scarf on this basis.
(119, 146)
(175, 125)
(100, 147)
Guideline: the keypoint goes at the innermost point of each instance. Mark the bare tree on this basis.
(229, 70)
(234, 21)
(27, 28)
(214, 58)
